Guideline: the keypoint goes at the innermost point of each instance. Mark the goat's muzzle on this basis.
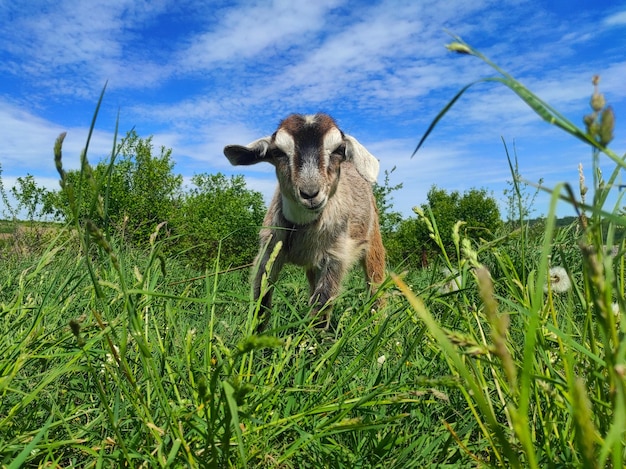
(312, 200)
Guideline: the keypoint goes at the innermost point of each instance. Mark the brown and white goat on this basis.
(323, 210)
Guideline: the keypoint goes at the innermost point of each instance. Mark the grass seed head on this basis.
(597, 101)
(607, 124)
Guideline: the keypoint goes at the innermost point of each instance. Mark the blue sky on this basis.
(197, 75)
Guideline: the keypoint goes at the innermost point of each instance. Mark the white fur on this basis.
(295, 213)
(261, 144)
(365, 163)
(284, 141)
(332, 140)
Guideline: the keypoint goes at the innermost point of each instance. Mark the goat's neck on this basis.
(296, 214)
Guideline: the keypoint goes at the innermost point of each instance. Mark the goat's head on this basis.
(307, 152)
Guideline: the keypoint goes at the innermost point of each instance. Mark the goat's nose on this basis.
(309, 193)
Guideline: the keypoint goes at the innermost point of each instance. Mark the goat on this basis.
(323, 210)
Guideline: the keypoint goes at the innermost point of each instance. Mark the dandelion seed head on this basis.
(559, 280)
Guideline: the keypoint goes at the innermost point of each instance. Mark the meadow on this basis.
(503, 353)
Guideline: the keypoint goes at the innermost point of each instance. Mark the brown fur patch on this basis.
(308, 130)
(295, 124)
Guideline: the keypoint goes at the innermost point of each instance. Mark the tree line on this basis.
(220, 215)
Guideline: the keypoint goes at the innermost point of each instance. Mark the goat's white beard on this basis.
(297, 214)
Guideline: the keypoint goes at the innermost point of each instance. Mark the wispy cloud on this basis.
(254, 33)
(28, 140)
(71, 48)
(616, 19)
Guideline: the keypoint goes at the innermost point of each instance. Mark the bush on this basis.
(412, 243)
(131, 193)
(218, 216)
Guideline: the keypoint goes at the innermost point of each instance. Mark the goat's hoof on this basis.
(321, 322)
(261, 325)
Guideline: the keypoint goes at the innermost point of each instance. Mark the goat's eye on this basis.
(340, 151)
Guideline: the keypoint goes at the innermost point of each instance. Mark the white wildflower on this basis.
(616, 311)
(451, 285)
(305, 347)
(381, 360)
(110, 358)
(559, 280)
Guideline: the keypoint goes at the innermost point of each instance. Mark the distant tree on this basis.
(519, 201)
(389, 218)
(31, 204)
(139, 190)
(32, 200)
(219, 213)
(475, 207)
(8, 210)
(410, 242)
(481, 214)
(142, 189)
(445, 209)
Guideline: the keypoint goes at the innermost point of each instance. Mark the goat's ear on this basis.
(365, 163)
(253, 153)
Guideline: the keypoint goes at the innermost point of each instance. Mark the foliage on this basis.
(141, 189)
(389, 218)
(476, 208)
(519, 202)
(31, 198)
(131, 193)
(219, 217)
(136, 190)
(33, 201)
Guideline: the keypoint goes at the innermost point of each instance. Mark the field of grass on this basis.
(509, 353)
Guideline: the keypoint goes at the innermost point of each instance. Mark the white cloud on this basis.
(246, 31)
(28, 142)
(616, 19)
(91, 41)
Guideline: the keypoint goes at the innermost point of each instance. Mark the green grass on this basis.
(161, 372)
(112, 357)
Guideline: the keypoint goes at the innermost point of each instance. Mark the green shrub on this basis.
(218, 217)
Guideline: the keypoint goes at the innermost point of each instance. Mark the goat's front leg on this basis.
(270, 271)
(324, 283)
